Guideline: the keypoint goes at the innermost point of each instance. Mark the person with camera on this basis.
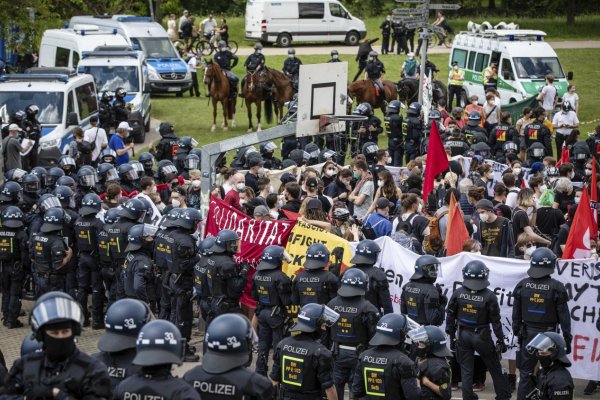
(117, 143)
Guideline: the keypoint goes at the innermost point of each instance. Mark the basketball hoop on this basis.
(335, 121)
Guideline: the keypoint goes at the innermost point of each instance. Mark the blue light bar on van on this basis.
(37, 77)
(538, 38)
(83, 32)
(101, 53)
(132, 18)
(511, 38)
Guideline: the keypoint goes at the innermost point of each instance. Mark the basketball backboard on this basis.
(322, 90)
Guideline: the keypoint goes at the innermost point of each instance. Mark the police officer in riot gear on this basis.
(33, 129)
(14, 261)
(413, 131)
(554, 380)
(315, 284)
(458, 145)
(421, 300)
(270, 161)
(471, 310)
(535, 153)
(128, 178)
(393, 127)
(364, 131)
(167, 147)
(52, 177)
(67, 164)
(473, 127)
(163, 244)
(36, 218)
(335, 56)
(291, 68)
(272, 289)
(302, 365)
(87, 229)
(385, 370)
(201, 274)
(374, 71)
(49, 253)
(65, 196)
(224, 371)
(378, 292)
(120, 107)
(186, 144)
(536, 131)
(61, 370)
(354, 328)
(158, 347)
(228, 279)
(124, 321)
(503, 133)
(435, 374)
(138, 269)
(106, 113)
(540, 305)
(31, 192)
(147, 160)
(10, 195)
(107, 271)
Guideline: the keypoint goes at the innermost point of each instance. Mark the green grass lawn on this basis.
(193, 116)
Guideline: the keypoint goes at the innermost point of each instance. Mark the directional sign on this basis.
(407, 11)
(435, 28)
(416, 25)
(409, 20)
(444, 6)
(411, 1)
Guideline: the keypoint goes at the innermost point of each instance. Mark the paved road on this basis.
(326, 49)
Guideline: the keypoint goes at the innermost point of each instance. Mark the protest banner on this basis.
(581, 278)
(255, 235)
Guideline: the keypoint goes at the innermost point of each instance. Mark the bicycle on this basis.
(445, 38)
(206, 46)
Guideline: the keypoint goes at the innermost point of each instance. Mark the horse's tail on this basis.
(231, 108)
(269, 107)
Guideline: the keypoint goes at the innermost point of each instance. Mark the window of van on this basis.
(472, 56)
(70, 104)
(460, 56)
(86, 100)
(507, 67)
(156, 47)
(62, 57)
(50, 104)
(538, 67)
(311, 10)
(75, 59)
(481, 62)
(337, 10)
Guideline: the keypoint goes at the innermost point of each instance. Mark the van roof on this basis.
(86, 39)
(32, 82)
(518, 43)
(132, 26)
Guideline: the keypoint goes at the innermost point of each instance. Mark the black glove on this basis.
(568, 341)
(501, 346)
(453, 343)
(443, 298)
(38, 392)
(245, 268)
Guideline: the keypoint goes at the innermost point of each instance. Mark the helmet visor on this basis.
(111, 175)
(50, 202)
(329, 317)
(67, 161)
(18, 174)
(433, 270)
(31, 187)
(418, 335)
(132, 175)
(139, 168)
(270, 147)
(537, 152)
(540, 343)
(54, 310)
(371, 149)
(169, 169)
(88, 180)
(191, 163)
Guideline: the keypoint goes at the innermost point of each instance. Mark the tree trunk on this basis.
(158, 14)
(491, 4)
(571, 12)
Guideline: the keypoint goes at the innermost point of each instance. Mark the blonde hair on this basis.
(523, 239)
(525, 198)
(451, 178)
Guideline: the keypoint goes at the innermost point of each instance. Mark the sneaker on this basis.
(512, 379)
(590, 388)
(478, 387)
(14, 324)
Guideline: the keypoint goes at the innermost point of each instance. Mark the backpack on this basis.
(410, 68)
(405, 240)
(434, 242)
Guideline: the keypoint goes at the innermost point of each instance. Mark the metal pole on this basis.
(424, 43)
(151, 8)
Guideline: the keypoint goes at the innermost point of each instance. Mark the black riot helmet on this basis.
(67, 163)
(354, 282)
(267, 149)
(581, 151)
(369, 149)
(47, 201)
(111, 216)
(31, 345)
(391, 330)
(414, 109)
(159, 342)
(291, 52)
(258, 46)
(31, 184)
(187, 143)
(127, 172)
(228, 343)
(12, 217)
(54, 308)
(15, 175)
(312, 316)
(272, 258)
(11, 191)
(474, 118)
(41, 173)
(108, 155)
(227, 242)
(147, 160)
(138, 234)
(536, 150)
(550, 342)
(475, 275)
(426, 266)
(481, 149)
(327, 154)
(367, 252)
(313, 153)
(363, 109)
(542, 263)
(299, 156)
(394, 107)
(433, 338)
(64, 195)
(123, 322)
(167, 171)
(317, 256)
(334, 52)
(87, 176)
(67, 181)
(106, 96)
(137, 166)
(91, 204)
(52, 176)
(165, 128)
(54, 220)
(107, 173)
(133, 210)
(435, 115)
(188, 219)
(120, 93)
(192, 161)
(206, 245)
(32, 110)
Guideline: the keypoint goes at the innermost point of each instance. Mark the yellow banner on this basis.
(302, 236)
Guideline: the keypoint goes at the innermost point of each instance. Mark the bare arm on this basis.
(377, 195)
(331, 393)
(536, 238)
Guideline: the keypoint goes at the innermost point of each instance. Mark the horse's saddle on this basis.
(379, 89)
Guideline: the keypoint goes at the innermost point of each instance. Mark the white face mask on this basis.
(335, 56)
(517, 171)
(331, 172)
(420, 208)
(484, 217)
(291, 56)
(196, 183)
(529, 251)
(280, 203)
(427, 232)
(588, 172)
(240, 185)
(571, 175)
(543, 188)
(380, 183)
(577, 200)
(175, 203)
(389, 160)
(258, 51)
(153, 190)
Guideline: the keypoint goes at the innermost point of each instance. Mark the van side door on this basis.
(337, 22)
(312, 25)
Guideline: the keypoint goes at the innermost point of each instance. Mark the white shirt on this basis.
(562, 118)
(571, 98)
(209, 26)
(548, 95)
(193, 64)
(99, 135)
(156, 214)
(511, 197)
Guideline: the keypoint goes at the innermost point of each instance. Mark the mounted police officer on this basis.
(253, 63)
(272, 289)
(335, 56)
(87, 230)
(354, 328)
(385, 370)
(393, 127)
(421, 300)
(158, 347)
(540, 305)
(227, 278)
(224, 57)
(302, 365)
(413, 131)
(124, 321)
(378, 289)
(471, 310)
(224, 372)
(435, 374)
(554, 380)
(50, 254)
(14, 261)
(375, 70)
(60, 370)
(291, 68)
(167, 147)
(138, 269)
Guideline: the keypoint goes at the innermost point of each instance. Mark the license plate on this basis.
(173, 89)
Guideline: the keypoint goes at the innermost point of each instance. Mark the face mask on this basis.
(153, 190)
(389, 160)
(426, 232)
(258, 51)
(545, 361)
(517, 171)
(421, 352)
(420, 208)
(571, 175)
(280, 203)
(588, 172)
(380, 183)
(290, 56)
(335, 56)
(577, 200)
(196, 183)
(175, 203)
(543, 188)
(243, 202)
(58, 349)
(356, 175)
(331, 172)
(240, 186)
(529, 251)
(484, 217)
(274, 214)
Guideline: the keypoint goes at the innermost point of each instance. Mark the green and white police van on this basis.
(523, 57)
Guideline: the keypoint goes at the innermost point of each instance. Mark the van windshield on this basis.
(112, 78)
(50, 104)
(538, 67)
(156, 47)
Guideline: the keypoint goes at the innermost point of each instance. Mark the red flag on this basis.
(564, 156)
(436, 162)
(456, 232)
(291, 215)
(594, 199)
(578, 242)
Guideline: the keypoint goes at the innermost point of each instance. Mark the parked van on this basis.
(65, 100)
(63, 47)
(523, 59)
(167, 72)
(287, 21)
(121, 67)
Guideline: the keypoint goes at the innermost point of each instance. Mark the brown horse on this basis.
(252, 91)
(218, 85)
(281, 88)
(364, 92)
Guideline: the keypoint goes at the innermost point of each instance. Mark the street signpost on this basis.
(411, 1)
(408, 11)
(444, 6)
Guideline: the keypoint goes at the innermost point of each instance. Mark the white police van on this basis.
(287, 21)
(523, 58)
(167, 72)
(65, 100)
(116, 67)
